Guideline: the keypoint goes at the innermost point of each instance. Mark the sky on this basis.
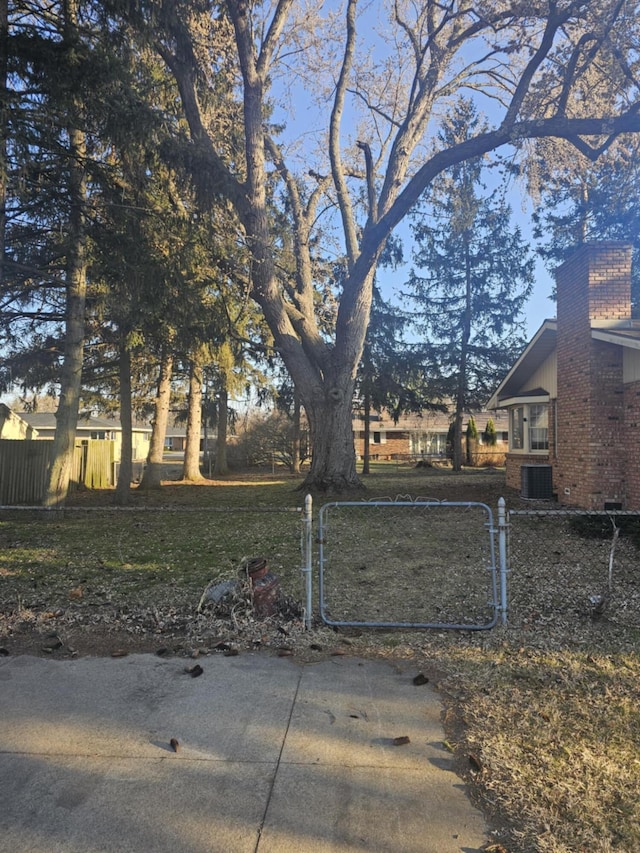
(540, 307)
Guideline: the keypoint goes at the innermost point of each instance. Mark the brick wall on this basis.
(593, 285)
(396, 444)
(632, 434)
(514, 463)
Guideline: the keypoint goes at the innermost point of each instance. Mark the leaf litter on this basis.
(542, 717)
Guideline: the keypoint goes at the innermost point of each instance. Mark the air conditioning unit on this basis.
(537, 482)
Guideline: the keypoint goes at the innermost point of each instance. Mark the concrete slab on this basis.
(238, 709)
(273, 757)
(344, 785)
(57, 804)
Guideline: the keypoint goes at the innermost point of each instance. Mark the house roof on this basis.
(534, 354)
(47, 420)
(543, 344)
(627, 335)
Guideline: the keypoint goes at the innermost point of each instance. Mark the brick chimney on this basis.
(594, 291)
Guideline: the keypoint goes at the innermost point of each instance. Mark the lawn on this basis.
(542, 715)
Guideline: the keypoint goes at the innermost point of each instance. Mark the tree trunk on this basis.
(461, 393)
(76, 291)
(366, 464)
(295, 451)
(125, 473)
(333, 463)
(221, 466)
(457, 439)
(4, 126)
(152, 477)
(191, 467)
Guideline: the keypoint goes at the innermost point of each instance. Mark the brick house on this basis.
(573, 396)
(422, 436)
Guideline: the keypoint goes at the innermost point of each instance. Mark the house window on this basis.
(529, 428)
(539, 427)
(516, 428)
(377, 438)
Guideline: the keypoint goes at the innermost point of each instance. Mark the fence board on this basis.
(23, 470)
(98, 473)
(24, 465)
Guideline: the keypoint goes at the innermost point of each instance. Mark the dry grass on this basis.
(549, 706)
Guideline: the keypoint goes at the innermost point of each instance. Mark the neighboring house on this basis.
(175, 439)
(420, 436)
(573, 396)
(13, 426)
(43, 425)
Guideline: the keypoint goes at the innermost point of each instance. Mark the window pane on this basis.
(516, 418)
(539, 427)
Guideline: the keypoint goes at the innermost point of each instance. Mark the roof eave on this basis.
(502, 392)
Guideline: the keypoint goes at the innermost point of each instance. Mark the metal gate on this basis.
(409, 564)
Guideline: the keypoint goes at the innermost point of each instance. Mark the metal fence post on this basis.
(307, 557)
(502, 553)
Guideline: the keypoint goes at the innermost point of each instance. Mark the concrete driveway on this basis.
(272, 757)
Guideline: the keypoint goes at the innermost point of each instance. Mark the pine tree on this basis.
(473, 276)
(582, 201)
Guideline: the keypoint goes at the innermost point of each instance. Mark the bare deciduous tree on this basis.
(542, 69)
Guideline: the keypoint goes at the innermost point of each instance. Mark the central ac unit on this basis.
(537, 482)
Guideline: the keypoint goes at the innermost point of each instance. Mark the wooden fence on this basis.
(24, 466)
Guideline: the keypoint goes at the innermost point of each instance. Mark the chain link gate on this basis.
(409, 564)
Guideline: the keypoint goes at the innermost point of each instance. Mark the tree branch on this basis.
(274, 32)
(304, 318)
(344, 200)
(183, 73)
(371, 189)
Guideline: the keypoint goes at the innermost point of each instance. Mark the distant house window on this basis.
(428, 443)
(376, 438)
(529, 428)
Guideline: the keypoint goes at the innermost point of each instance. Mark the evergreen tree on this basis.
(490, 434)
(391, 375)
(582, 201)
(474, 274)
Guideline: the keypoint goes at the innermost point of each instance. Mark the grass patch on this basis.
(549, 705)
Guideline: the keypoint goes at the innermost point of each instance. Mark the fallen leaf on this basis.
(194, 671)
(402, 740)
(475, 763)
(76, 593)
(175, 746)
